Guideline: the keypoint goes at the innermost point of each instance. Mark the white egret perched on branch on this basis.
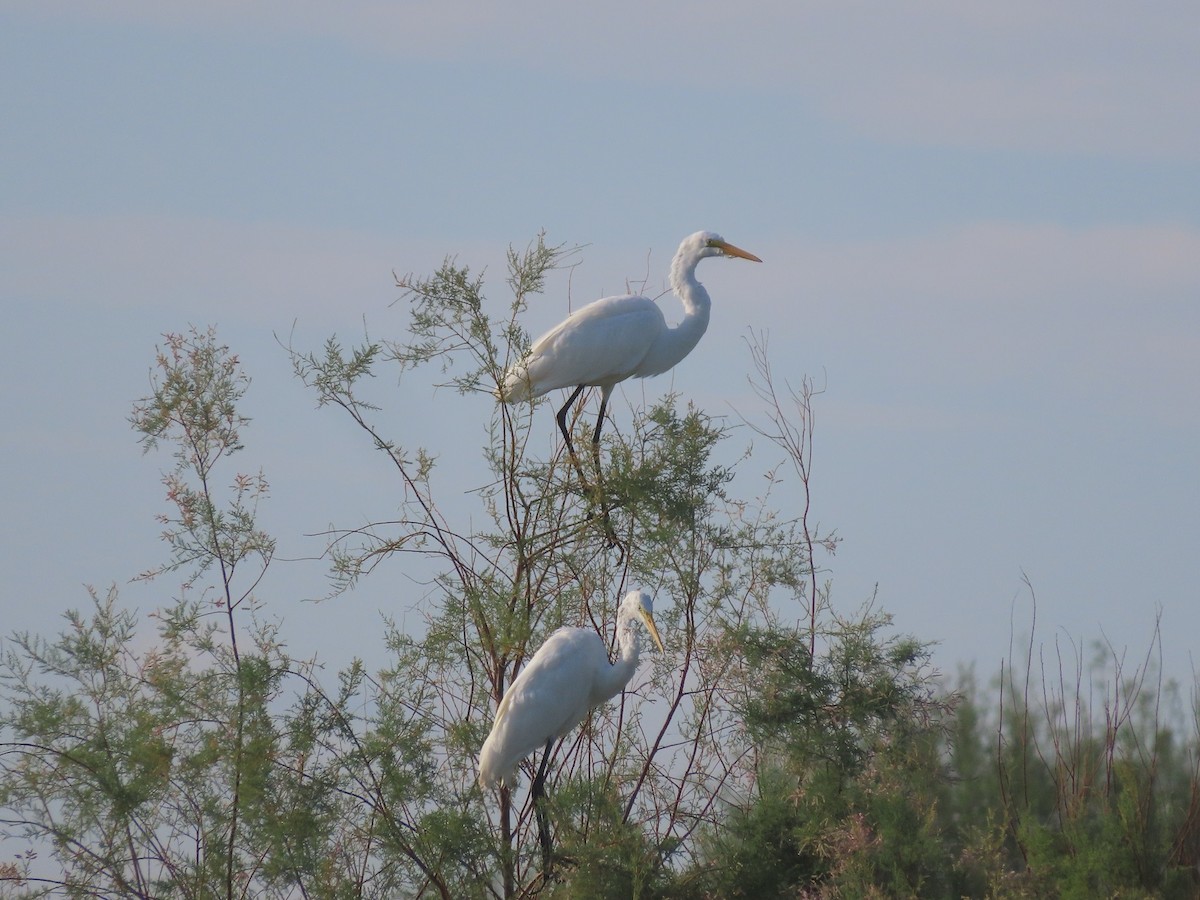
(568, 676)
(616, 338)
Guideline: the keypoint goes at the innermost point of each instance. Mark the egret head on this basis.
(712, 244)
(637, 604)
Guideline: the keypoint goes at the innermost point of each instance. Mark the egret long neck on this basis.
(610, 683)
(676, 343)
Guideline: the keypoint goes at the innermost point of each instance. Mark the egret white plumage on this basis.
(568, 676)
(616, 338)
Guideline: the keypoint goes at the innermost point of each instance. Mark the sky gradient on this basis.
(980, 230)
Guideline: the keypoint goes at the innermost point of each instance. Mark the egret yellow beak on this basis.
(730, 250)
(653, 629)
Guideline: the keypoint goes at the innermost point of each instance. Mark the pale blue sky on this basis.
(980, 227)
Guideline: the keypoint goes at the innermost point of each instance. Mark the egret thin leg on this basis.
(609, 533)
(537, 792)
(605, 393)
(562, 424)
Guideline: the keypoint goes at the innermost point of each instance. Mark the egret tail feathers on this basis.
(516, 386)
(494, 769)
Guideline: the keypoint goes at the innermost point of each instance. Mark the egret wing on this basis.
(548, 698)
(603, 343)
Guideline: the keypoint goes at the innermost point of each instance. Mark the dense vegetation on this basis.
(762, 757)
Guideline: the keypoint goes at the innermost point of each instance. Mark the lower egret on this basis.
(568, 676)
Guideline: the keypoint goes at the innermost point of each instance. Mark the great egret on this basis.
(568, 676)
(616, 338)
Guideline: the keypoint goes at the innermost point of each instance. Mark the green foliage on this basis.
(1075, 805)
(193, 408)
(767, 846)
(838, 707)
(609, 855)
(189, 755)
(849, 748)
